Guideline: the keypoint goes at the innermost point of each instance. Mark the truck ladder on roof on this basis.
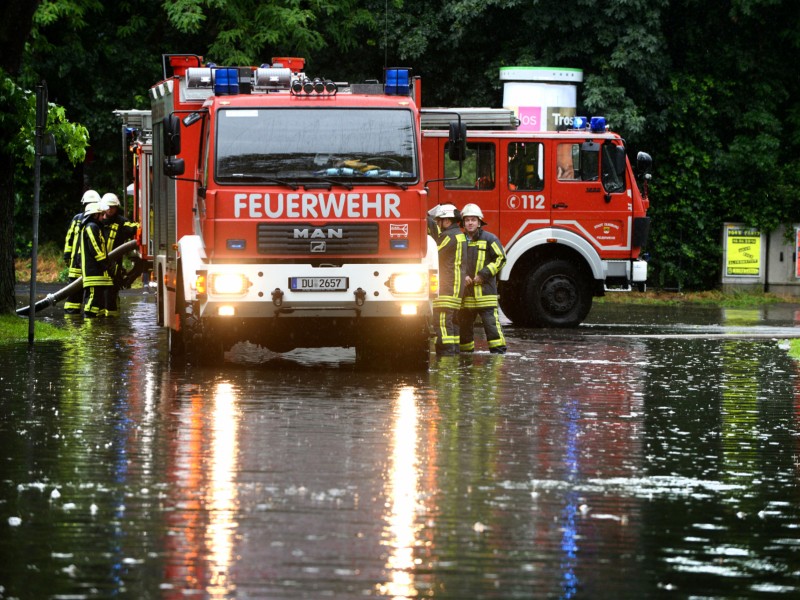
(475, 118)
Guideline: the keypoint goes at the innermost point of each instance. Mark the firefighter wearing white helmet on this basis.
(452, 246)
(433, 228)
(110, 199)
(117, 230)
(90, 196)
(485, 257)
(472, 210)
(94, 261)
(72, 253)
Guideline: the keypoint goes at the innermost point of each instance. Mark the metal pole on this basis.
(41, 122)
(124, 170)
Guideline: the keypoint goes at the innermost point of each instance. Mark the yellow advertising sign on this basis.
(743, 251)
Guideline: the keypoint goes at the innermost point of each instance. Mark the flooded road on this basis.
(652, 452)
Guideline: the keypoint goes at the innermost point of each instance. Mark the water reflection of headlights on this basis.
(221, 497)
(404, 477)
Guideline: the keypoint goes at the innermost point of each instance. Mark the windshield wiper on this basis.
(329, 181)
(400, 184)
(260, 179)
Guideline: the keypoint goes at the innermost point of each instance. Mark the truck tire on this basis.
(416, 353)
(557, 294)
(512, 305)
(409, 353)
(176, 338)
(160, 291)
(208, 353)
(175, 343)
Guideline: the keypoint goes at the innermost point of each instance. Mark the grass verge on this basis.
(14, 329)
(709, 298)
(50, 265)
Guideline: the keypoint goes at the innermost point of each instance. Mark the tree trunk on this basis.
(7, 278)
(15, 27)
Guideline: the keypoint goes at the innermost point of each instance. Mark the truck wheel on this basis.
(203, 346)
(511, 304)
(177, 339)
(415, 354)
(177, 348)
(409, 353)
(160, 299)
(557, 295)
(209, 353)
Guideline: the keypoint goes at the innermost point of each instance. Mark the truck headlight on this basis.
(407, 283)
(229, 284)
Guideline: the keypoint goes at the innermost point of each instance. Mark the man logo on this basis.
(318, 247)
(330, 233)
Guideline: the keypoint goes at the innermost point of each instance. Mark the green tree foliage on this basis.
(239, 32)
(728, 147)
(95, 57)
(707, 88)
(99, 57)
(14, 29)
(71, 140)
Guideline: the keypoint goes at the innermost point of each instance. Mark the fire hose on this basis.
(76, 285)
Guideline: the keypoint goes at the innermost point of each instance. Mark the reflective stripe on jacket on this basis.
(118, 230)
(72, 246)
(93, 256)
(485, 257)
(452, 253)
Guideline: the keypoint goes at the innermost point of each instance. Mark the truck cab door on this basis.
(591, 194)
(524, 203)
(474, 181)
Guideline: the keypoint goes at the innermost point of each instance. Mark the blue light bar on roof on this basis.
(598, 125)
(397, 82)
(226, 81)
(580, 122)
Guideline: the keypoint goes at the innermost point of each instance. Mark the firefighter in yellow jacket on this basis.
(72, 254)
(94, 262)
(117, 230)
(452, 246)
(485, 257)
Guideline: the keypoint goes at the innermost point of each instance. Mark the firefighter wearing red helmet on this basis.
(485, 257)
(452, 246)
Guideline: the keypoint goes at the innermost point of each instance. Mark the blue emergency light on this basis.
(397, 82)
(598, 125)
(580, 122)
(226, 81)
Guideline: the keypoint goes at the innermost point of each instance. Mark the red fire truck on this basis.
(289, 212)
(565, 205)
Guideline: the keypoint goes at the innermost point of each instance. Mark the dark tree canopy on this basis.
(709, 89)
(14, 29)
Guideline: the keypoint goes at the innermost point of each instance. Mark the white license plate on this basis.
(318, 284)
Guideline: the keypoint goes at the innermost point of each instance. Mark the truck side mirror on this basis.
(172, 146)
(620, 161)
(172, 135)
(457, 147)
(643, 163)
(174, 166)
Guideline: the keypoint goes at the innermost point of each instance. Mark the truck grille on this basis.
(303, 238)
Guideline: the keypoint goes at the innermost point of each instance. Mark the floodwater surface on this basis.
(652, 452)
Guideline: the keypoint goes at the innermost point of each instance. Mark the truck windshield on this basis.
(271, 145)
